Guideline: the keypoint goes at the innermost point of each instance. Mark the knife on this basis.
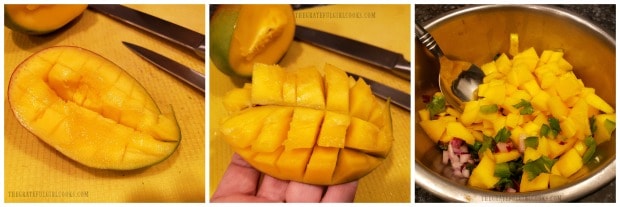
(398, 98)
(187, 75)
(388, 60)
(177, 34)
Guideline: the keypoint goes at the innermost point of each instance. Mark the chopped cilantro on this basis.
(488, 109)
(508, 173)
(526, 107)
(544, 130)
(555, 126)
(610, 125)
(589, 141)
(487, 143)
(476, 146)
(531, 142)
(502, 135)
(436, 105)
(540, 165)
(502, 170)
(504, 183)
(589, 153)
(592, 124)
(443, 146)
(470, 166)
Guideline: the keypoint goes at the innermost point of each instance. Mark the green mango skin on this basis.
(221, 28)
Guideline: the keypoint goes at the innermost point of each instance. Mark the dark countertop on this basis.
(603, 15)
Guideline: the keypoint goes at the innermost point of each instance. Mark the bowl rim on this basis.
(445, 189)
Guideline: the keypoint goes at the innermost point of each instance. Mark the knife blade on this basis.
(397, 97)
(385, 59)
(172, 32)
(187, 75)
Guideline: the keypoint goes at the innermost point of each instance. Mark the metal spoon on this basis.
(460, 77)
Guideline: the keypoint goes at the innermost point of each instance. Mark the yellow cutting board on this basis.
(386, 26)
(35, 172)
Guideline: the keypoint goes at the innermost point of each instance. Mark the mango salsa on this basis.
(533, 126)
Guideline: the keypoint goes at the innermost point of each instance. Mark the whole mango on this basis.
(40, 19)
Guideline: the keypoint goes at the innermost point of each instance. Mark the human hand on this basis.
(240, 182)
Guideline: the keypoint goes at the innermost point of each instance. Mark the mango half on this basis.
(40, 19)
(300, 125)
(90, 110)
(241, 35)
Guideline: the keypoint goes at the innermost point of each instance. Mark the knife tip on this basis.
(130, 45)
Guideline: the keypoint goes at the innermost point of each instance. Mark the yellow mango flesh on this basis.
(268, 81)
(304, 128)
(337, 89)
(90, 110)
(312, 140)
(273, 132)
(262, 34)
(602, 133)
(309, 88)
(502, 157)
(457, 130)
(434, 128)
(238, 98)
(334, 129)
(541, 182)
(569, 163)
(482, 175)
(40, 19)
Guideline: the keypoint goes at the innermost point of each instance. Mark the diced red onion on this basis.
(464, 158)
(509, 146)
(511, 190)
(453, 157)
(445, 157)
(458, 173)
(502, 147)
(456, 142)
(457, 155)
(463, 149)
(522, 143)
(456, 163)
(465, 172)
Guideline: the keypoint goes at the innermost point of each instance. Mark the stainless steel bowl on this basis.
(477, 34)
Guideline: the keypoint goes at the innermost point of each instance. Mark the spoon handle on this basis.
(427, 40)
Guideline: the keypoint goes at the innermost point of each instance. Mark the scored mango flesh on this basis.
(300, 125)
(90, 110)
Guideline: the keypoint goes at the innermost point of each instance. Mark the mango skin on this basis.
(221, 28)
(64, 96)
(49, 19)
